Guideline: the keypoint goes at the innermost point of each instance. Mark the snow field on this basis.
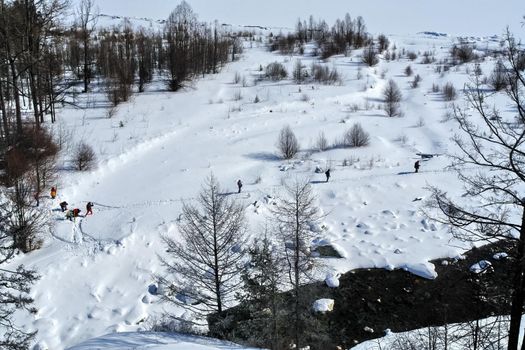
(97, 272)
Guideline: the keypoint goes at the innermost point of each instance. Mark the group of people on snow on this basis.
(71, 214)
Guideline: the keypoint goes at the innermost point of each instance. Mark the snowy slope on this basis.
(156, 151)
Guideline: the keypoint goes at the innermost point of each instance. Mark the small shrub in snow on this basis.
(408, 71)
(324, 75)
(463, 52)
(411, 55)
(356, 136)
(299, 74)
(435, 88)
(370, 56)
(416, 81)
(449, 92)
(237, 95)
(256, 99)
(305, 98)
(498, 79)
(321, 143)
(287, 143)
(236, 78)
(276, 71)
(84, 157)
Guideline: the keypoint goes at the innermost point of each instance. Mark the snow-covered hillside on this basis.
(155, 152)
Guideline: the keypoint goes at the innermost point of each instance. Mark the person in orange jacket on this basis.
(53, 192)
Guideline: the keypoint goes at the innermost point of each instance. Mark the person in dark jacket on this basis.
(416, 166)
(63, 206)
(239, 185)
(327, 173)
(89, 208)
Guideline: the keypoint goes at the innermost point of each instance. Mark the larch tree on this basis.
(203, 265)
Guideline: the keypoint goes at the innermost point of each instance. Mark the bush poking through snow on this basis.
(322, 142)
(408, 71)
(324, 75)
(370, 56)
(498, 79)
(449, 92)
(416, 81)
(287, 143)
(356, 136)
(84, 157)
(276, 71)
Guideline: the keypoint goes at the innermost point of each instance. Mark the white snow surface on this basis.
(156, 151)
(323, 305)
(155, 341)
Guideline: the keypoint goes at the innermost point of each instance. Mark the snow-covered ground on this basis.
(155, 152)
(154, 341)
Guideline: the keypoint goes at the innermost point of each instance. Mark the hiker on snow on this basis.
(69, 215)
(327, 173)
(63, 206)
(89, 208)
(239, 185)
(416, 166)
(53, 192)
(76, 212)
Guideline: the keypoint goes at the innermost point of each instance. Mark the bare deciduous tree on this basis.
(84, 157)
(203, 265)
(370, 56)
(87, 16)
(356, 136)
(392, 96)
(287, 143)
(492, 206)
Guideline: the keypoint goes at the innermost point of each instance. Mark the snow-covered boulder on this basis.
(332, 281)
(500, 256)
(323, 305)
(481, 266)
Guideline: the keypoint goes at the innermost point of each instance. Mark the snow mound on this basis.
(425, 270)
(154, 341)
(332, 281)
(323, 305)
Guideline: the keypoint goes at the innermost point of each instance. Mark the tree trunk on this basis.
(296, 268)
(5, 123)
(518, 292)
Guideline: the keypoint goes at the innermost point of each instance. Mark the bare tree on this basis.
(498, 78)
(370, 56)
(392, 96)
(287, 143)
(294, 214)
(492, 206)
(356, 136)
(84, 157)
(87, 16)
(203, 265)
